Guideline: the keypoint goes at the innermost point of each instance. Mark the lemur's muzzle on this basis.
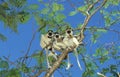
(68, 31)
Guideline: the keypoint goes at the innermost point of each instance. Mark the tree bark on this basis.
(56, 64)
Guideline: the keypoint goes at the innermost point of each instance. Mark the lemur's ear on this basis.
(50, 31)
(69, 28)
(56, 33)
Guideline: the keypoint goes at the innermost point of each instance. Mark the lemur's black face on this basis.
(69, 31)
(50, 33)
(56, 35)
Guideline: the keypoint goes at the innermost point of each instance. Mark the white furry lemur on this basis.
(58, 43)
(46, 43)
(72, 43)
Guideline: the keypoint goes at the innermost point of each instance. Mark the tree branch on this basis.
(88, 18)
(37, 74)
(99, 7)
(29, 47)
(91, 6)
(56, 64)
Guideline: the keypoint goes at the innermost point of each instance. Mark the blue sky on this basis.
(17, 44)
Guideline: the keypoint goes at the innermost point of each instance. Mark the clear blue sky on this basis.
(17, 44)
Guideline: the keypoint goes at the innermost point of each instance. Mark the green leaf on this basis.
(45, 11)
(4, 6)
(11, 21)
(73, 13)
(13, 73)
(40, 0)
(57, 7)
(17, 3)
(113, 67)
(105, 70)
(40, 58)
(108, 20)
(94, 38)
(81, 49)
(51, 14)
(85, 74)
(59, 18)
(4, 64)
(24, 68)
(80, 25)
(2, 37)
(103, 59)
(89, 73)
(33, 6)
(82, 8)
(98, 52)
(23, 16)
(106, 52)
(63, 64)
(40, 21)
(51, 60)
(101, 30)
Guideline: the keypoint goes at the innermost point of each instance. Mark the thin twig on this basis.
(39, 72)
(29, 47)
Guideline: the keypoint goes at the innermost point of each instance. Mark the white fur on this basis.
(72, 43)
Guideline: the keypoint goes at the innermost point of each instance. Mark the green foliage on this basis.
(17, 3)
(101, 54)
(83, 8)
(57, 7)
(23, 16)
(33, 7)
(45, 11)
(111, 17)
(13, 73)
(101, 30)
(4, 64)
(51, 60)
(103, 59)
(2, 37)
(63, 65)
(40, 59)
(96, 33)
(112, 2)
(94, 38)
(81, 49)
(89, 73)
(59, 18)
(12, 17)
(72, 13)
(24, 68)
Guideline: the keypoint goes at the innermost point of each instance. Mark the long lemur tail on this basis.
(78, 62)
(68, 64)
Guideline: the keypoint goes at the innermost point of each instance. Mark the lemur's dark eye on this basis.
(50, 34)
(68, 31)
(50, 49)
(57, 36)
